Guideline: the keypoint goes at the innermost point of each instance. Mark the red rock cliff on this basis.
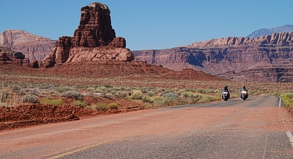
(218, 56)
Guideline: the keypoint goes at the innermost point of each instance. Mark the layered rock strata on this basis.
(93, 40)
(32, 46)
(218, 56)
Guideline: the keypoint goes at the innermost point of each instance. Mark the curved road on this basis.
(256, 128)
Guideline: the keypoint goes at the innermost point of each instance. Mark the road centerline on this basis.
(82, 148)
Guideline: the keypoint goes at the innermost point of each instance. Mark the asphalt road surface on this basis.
(256, 129)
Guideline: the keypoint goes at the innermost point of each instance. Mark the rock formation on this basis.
(279, 39)
(7, 55)
(93, 40)
(275, 73)
(32, 46)
(268, 31)
(218, 56)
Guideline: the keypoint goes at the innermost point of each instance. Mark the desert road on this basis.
(256, 129)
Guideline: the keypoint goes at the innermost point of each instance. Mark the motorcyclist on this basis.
(226, 90)
(243, 89)
(244, 93)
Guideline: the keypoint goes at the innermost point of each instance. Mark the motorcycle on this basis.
(244, 94)
(225, 95)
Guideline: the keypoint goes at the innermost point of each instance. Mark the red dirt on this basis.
(36, 114)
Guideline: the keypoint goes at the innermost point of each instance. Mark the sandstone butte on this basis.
(93, 40)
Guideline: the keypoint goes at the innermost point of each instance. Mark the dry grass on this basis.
(153, 91)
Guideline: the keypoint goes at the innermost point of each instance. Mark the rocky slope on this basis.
(32, 46)
(232, 54)
(274, 73)
(265, 31)
(93, 40)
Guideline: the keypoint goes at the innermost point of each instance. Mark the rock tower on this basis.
(93, 40)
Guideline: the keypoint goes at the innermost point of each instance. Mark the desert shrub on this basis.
(102, 90)
(99, 90)
(113, 106)
(122, 94)
(15, 88)
(149, 106)
(52, 101)
(101, 106)
(287, 99)
(150, 93)
(62, 89)
(289, 95)
(3, 96)
(170, 95)
(107, 86)
(181, 90)
(275, 94)
(136, 94)
(147, 99)
(80, 103)
(29, 99)
(72, 94)
(207, 98)
(199, 90)
(125, 89)
(171, 101)
(33, 91)
(113, 92)
(159, 100)
(211, 91)
(197, 95)
(23, 85)
(187, 94)
(144, 90)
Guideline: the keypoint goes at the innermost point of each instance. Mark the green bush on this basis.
(29, 99)
(72, 94)
(113, 106)
(52, 101)
(101, 106)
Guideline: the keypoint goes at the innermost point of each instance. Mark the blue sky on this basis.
(151, 24)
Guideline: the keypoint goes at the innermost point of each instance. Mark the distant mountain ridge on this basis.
(32, 46)
(266, 31)
(231, 56)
